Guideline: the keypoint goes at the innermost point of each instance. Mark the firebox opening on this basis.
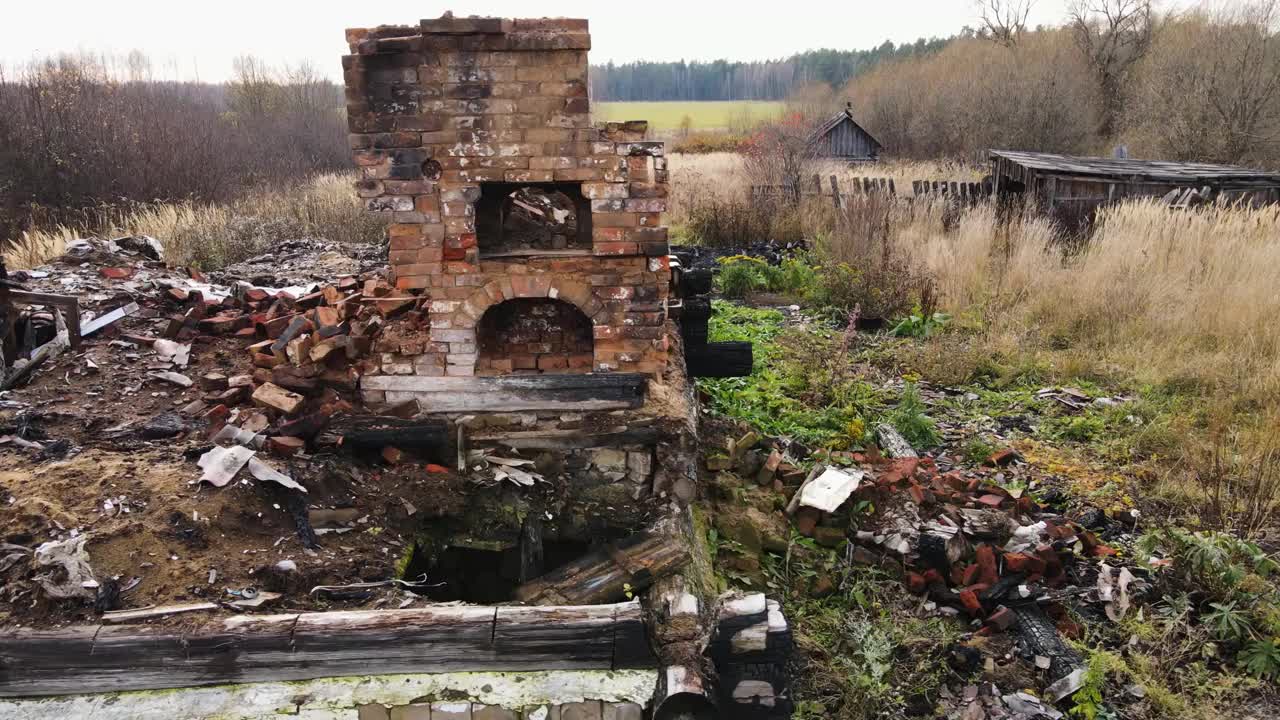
(533, 219)
(534, 335)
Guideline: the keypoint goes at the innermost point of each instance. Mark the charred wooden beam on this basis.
(610, 573)
(288, 647)
(567, 439)
(1040, 637)
(695, 281)
(428, 436)
(694, 316)
(722, 359)
(751, 648)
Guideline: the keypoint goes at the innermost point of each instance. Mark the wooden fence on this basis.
(962, 191)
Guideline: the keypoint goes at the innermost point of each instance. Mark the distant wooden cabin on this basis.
(1078, 185)
(842, 138)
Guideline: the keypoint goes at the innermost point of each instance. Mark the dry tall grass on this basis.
(1173, 297)
(1179, 305)
(212, 235)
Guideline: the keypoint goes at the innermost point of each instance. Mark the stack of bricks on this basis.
(440, 110)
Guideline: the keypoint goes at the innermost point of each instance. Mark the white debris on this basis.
(239, 436)
(76, 574)
(830, 489)
(172, 352)
(176, 378)
(1114, 592)
(221, 464)
(266, 473)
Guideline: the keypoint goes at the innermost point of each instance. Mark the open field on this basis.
(666, 116)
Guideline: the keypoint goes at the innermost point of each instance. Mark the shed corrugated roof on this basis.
(1157, 170)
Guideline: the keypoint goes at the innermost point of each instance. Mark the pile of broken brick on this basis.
(306, 351)
(972, 547)
(307, 343)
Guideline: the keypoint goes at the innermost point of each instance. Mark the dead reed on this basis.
(212, 235)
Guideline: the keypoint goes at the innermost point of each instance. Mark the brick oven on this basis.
(536, 235)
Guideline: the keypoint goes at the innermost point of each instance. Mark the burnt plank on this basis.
(722, 359)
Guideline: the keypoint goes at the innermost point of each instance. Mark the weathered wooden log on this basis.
(610, 573)
(43, 354)
(287, 647)
(678, 634)
(428, 436)
(722, 359)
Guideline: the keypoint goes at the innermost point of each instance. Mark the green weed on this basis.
(909, 419)
(802, 385)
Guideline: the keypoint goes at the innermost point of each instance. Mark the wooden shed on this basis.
(1078, 185)
(842, 138)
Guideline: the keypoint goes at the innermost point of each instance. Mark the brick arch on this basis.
(577, 294)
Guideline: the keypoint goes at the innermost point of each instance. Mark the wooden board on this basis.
(286, 647)
(588, 391)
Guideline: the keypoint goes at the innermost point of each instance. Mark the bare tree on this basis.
(1004, 20)
(1245, 80)
(1113, 35)
(253, 91)
(1210, 89)
(780, 153)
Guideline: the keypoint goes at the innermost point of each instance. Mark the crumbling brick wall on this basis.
(441, 110)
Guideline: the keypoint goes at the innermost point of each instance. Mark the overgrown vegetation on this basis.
(740, 275)
(804, 384)
(707, 142)
(83, 136)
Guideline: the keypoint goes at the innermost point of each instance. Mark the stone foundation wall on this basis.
(439, 110)
(589, 710)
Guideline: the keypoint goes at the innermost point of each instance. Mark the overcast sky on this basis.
(201, 38)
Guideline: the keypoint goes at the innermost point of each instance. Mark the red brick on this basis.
(969, 601)
(1023, 563)
(985, 557)
(916, 583)
(614, 248)
(1002, 619)
(552, 362)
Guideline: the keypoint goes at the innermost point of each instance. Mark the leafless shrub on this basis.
(1209, 90)
(780, 155)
